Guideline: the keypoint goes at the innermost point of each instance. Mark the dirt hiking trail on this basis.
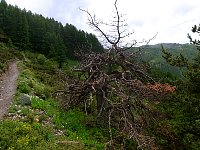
(8, 87)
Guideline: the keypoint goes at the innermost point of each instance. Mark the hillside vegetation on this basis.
(73, 94)
(160, 70)
(7, 55)
(35, 120)
(28, 31)
(38, 120)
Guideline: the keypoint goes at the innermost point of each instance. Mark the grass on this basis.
(74, 122)
(41, 122)
(22, 135)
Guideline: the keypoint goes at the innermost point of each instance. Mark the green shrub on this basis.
(51, 64)
(46, 105)
(181, 129)
(1, 67)
(19, 135)
(41, 59)
(23, 87)
(2, 45)
(38, 103)
(39, 90)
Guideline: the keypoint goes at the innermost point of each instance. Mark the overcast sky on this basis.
(171, 19)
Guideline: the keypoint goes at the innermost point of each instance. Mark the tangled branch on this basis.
(117, 84)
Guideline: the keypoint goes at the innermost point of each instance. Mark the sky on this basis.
(169, 20)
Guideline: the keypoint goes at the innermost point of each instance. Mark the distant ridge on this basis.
(168, 45)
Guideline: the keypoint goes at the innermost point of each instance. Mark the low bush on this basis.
(19, 135)
(41, 59)
(23, 87)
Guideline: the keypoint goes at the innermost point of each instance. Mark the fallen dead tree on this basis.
(118, 85)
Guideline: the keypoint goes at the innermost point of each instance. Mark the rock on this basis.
(25, 100)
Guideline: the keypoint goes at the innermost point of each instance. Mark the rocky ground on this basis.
(8, 87)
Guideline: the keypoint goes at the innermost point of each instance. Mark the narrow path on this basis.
(8, 87)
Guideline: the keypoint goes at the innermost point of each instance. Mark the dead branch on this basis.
(116, 24)
(118, 84)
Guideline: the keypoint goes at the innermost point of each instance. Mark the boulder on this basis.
(25, 100)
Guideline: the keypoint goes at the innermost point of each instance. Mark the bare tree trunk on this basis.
(100, 97)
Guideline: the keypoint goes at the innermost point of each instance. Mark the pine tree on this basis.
(3, 6)
(22, 32)
(184, 106)
(69, 37)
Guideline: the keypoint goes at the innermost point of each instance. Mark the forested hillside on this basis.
(152, 56)
(29, 31)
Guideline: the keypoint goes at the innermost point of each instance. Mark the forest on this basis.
(72, 93)
(28, 31)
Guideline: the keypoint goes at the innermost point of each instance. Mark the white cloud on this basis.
(171, 19)
(38, 6)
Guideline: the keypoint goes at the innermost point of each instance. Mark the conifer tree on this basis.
(184, 106)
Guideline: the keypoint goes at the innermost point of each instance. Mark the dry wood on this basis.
(118, 84)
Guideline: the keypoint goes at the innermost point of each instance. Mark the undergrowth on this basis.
(7, 55)
(35, 120)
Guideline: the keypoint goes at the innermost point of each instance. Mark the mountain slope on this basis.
(152, 55)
